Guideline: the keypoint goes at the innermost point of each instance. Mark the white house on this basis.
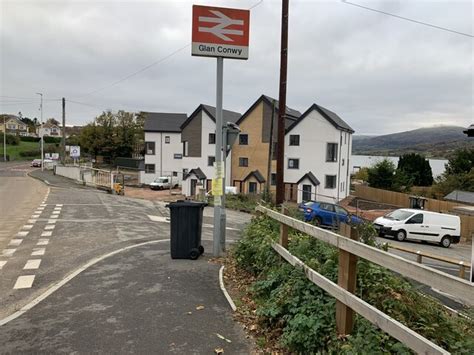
(317, 153)
(198, 137)
(163, 148)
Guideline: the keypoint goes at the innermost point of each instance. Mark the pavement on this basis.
(136, 300)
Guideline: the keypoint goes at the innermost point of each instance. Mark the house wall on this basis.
(257, 149)
(315, 132)
(206, 150)
(164, 160)
(314, 189)
(191, 134)
(13, 126)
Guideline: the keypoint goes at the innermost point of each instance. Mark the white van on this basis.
(420, 225)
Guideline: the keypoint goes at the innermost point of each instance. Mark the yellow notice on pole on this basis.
(217, 187)
(219, 169)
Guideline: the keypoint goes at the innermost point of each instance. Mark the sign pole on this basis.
(223, 215)
(218, 208)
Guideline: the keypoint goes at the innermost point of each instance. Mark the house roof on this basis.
(163, 121)
(227, 116)
(291, 114)
(310, 176)
(330, 116)
(198, 172)
(461, 196)
(49, 125)
(12, 117)
(258, 176)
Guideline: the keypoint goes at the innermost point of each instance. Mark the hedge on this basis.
(11, 139)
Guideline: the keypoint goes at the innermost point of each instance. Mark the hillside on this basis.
(435, 142)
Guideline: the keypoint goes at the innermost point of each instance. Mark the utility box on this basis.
(186, 229)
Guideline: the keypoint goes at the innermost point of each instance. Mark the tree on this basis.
(52, 121)
(382, 174)
(462, 161)
(459, 174)
(416, 168)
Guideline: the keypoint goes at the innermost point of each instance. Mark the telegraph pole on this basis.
(5, 139)
(280, 188)
(41, 131)
(63, 139)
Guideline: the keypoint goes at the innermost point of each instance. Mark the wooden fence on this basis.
(347, 303)
(402, 200)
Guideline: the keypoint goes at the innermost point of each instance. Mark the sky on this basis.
(379, 73)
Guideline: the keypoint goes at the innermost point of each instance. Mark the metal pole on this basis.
(63, 139)
(218, 157)
(4, 139)
(41, 131)
(223, 213)
(280, 188)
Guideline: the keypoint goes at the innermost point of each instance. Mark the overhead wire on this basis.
(407, 19)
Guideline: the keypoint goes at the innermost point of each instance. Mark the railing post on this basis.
(419, 257)
(462, 269)
(284, 230)
(347, 277)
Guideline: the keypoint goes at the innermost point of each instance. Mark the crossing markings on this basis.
(22, 234)
(35, 216)
(56, 212)
(15, 242)
(46, 234)
(8, 252)
(2, 263)
(51, 221)
(43, 242)
(32, 221)
(27, 226)
(25, 281)
(54, 216)
(32, 264)
(49, 226)
(38, 251)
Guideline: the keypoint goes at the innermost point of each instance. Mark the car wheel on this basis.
(401, 235)
(446, 241)
(317, 221)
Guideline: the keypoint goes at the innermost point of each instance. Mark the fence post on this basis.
(347, 276)
(284, 230)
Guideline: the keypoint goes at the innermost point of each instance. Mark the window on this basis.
(252, 187)
(293, 163)
(185, 172)
(416, 219)
(330, 182)
(306, 192)
(273, 179)
(243, 139)
(294, 139)
(341, 210)
(331, 152)
(345, 138)
(185, 148)
(212, 138)
(167, 139)
(243, 161)
(178, 156)
(149, 168)
(210, 161)
(327, 207)
(150, 148)
(342, 163)
(175, 173)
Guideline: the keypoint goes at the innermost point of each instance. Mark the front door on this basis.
(252, 187)
(193, 187)
(306, 193)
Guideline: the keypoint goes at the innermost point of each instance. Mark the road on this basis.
(52, 234)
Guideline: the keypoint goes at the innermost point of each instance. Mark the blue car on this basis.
(327, 214)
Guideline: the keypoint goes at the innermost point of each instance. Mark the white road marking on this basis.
(223, 289)
(32, 221)
(68, 278)
(2, 264)
(40, 208)
(51, 221)
(24, 281)
(15, 242)
(57, 208)
(54, 216)
(56, 212)
(8, 252)
(42, 242)
(35, 216)
(27, 226)
(38, 251)
(43, 205)
(46, 234)
(32, 264)
(159, 219)
(59, 205)
(49, 226)
(22, 234)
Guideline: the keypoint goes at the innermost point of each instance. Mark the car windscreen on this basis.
(399, 215)
(308, 204)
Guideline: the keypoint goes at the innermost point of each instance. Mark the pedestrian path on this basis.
(139, 301)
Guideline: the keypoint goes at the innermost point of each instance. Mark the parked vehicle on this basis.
(160, 183)
(327, 214)
(420, 225)
(36, 163)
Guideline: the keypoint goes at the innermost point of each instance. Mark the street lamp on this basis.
(5, 138)
(41, 131)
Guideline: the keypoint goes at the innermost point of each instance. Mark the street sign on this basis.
(220, 32)
(75, 151)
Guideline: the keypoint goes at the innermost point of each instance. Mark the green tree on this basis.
(459, 174)
(382, 174)
(462, 161)
(416, 168)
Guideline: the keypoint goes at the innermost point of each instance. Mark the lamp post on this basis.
(5, 139)
(41, 130)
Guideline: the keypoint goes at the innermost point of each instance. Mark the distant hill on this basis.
(434, 142)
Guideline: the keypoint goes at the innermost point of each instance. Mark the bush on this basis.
(30, 153)
(305, 314)
(11, 139)
(49, 139)
(30, 139)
